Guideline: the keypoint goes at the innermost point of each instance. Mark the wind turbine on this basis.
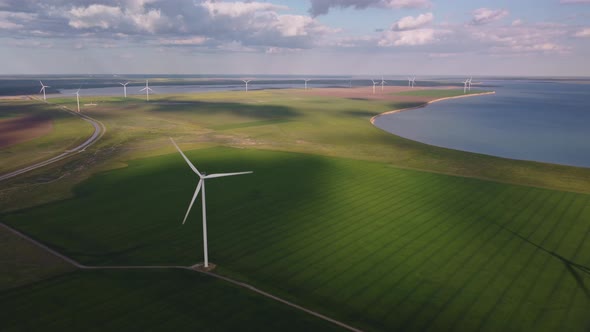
(469, 84)
(411, 81)
(147, 90)
(43, 90)
(78, 99)
(382, 83)
(124, 88)
(201, 186)
(306, 80)
(374, 84)
(246, 81)
(465, 83)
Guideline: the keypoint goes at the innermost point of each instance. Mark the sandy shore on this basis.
(428, 103)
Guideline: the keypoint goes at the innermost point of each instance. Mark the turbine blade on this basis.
(186, 159)
(212, 176)
(142, 89)
(192, 201)
(43, 88)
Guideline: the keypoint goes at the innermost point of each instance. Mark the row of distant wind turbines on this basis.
(411, 83)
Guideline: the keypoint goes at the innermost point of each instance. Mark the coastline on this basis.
(428, 103)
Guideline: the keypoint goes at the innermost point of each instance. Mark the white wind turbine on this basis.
(465, 83)
(469, 84)
(374, 85)
(306, 80)
(201, 186)
(382, 83)
(78, 99)
(411, 82)
(125, 88)
(43, 90)
(147, 90)
(246, 81)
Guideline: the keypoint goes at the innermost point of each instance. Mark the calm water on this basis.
(540, 121)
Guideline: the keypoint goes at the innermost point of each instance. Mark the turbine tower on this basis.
(246, 81)
(78, 99)
(306, 80)
(124, 88)
(43, 90)
(469, 84)
(147, 90)
(382, 83)
(201, 186)
(411, 82)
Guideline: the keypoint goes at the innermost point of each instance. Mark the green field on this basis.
(68, 131)
(146, 301)
(338, 216)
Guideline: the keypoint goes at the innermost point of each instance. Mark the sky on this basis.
(296, 37)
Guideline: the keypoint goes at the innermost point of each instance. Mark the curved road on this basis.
(99, 130)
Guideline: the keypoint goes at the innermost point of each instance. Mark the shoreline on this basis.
(426, 104)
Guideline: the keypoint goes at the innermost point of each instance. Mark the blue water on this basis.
(531, 120)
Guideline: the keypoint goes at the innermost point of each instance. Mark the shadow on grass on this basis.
(214, 108)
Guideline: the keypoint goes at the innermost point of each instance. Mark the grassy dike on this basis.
(338, 216)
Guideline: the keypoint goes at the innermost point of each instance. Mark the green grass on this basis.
(22, 263)
(379, 247)
(68, 131)
(146, 301)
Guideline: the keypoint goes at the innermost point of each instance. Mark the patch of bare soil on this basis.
(22, 129)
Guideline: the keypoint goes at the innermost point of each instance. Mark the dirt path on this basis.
(178, 267)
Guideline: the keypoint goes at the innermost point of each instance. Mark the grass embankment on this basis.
(378, 246)
(68, 131)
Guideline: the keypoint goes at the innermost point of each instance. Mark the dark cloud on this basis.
(321, 7)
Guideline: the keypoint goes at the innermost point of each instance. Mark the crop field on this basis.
(377, 231)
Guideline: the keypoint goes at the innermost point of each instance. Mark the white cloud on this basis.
(409, 22)
(583, 33)
(237, 9)
(409, 37)
(575, 1)
(486, 15)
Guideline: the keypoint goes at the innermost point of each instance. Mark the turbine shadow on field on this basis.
(212, 108)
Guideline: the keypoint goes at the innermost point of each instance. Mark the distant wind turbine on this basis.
(465, 83)
(382, 83)
(246, 81)
(201, 186)
(374, 85)
(469, 84)
(411, 82)
(147, 90)
(306, 80)
(78, 99)
(124, 88)
(43, 90)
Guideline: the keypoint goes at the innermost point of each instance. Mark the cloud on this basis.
(533, 38)
(486, 15)
(409, 37)
(249, 23)
(409, 22)
(583, 33)
(322, 7)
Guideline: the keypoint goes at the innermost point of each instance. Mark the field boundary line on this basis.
(178, 267)
(99, 131)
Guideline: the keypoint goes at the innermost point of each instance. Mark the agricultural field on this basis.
(377, 231)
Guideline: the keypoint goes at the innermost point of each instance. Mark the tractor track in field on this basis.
(99, 130)
(193, 268)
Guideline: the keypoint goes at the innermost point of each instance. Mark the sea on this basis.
(539, 119)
